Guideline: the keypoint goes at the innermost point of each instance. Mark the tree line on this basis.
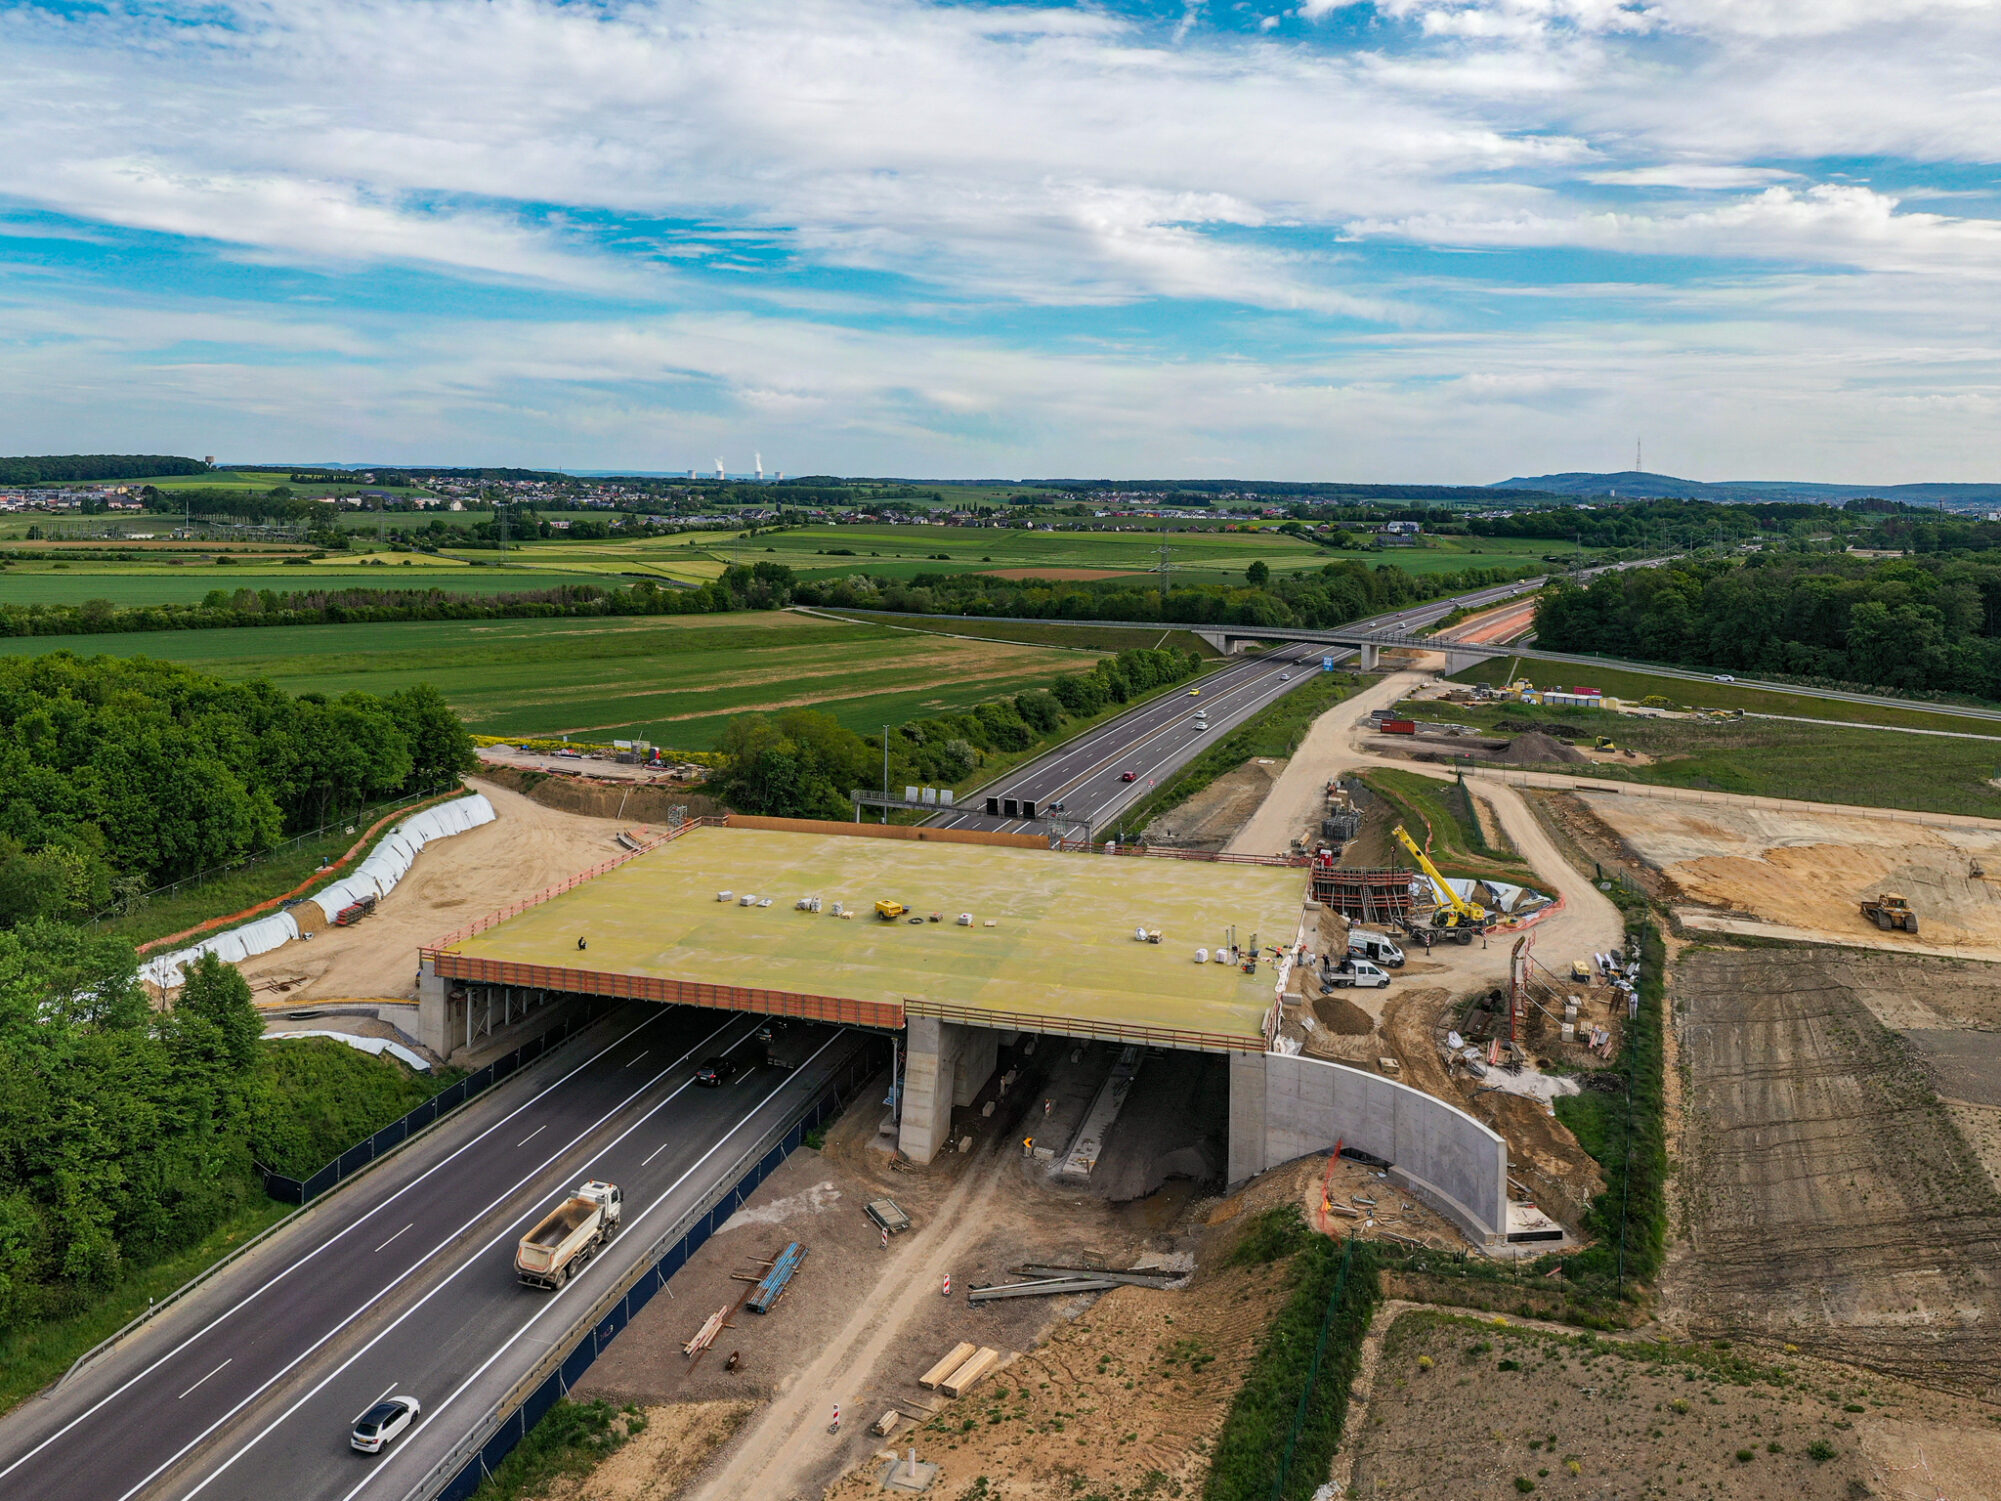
(1928, 624)
(1331, 595)
(117, 774)
(803, 763)
(127, 1133)
(58, 468)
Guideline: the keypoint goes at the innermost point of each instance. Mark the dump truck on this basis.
(1889, 910)
(565, 1240)
(890, 911)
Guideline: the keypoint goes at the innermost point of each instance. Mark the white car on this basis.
(1724, 677)
(1283, 676)
(383, 1423)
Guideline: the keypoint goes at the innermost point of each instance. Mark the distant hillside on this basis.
(1637, 484)
(56, 468)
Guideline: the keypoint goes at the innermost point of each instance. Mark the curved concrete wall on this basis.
(1282, 1108)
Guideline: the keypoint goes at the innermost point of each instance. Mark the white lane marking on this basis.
(656, 1152)
(198, 1383)
(642, 1054)
(532, 1134)
(507, 1232)
(393, 1239)
(371, 1406)
(397, 1281)
(328, 1243)
(574, 1282)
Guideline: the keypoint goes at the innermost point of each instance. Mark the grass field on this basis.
(163, 583)
(1632, 687)
(1062, 945)
(1777, 758)
(1042, 632)
(675, 680)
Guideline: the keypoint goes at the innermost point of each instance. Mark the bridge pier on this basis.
(1367, 651)
(944, 1065)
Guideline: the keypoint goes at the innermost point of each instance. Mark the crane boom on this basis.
(1469, 912)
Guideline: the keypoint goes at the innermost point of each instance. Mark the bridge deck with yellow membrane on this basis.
(1060, 957)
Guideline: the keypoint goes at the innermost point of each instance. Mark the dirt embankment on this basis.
(593, 798)
(529, 846)
(1827, 1198)
(1211, 818)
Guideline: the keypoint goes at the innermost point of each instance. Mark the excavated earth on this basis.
(1830, 1197)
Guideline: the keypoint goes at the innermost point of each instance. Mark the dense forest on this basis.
(53, 468)
(802, 763)
(119, 774)
(126, 1134)
(1921, 624)
(1331, 595)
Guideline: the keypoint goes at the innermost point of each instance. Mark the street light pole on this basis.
(885, 774)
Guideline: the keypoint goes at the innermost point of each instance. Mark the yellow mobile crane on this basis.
(1457, 916)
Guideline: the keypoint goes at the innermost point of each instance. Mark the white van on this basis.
(1359, 973)
(1363, 944)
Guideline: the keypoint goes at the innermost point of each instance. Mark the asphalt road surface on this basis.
(403, 1281)
(1155, 740)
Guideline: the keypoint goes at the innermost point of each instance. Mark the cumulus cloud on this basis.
(896, 222)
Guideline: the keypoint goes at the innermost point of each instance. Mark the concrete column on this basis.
(979, 1050)
(434, 1022)
(1368, 651)
(1247, 1117)
(929, 1077)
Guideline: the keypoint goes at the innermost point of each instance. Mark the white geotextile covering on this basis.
(376, 1045)
(376, 876)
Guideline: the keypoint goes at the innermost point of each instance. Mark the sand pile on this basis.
(1535, 746)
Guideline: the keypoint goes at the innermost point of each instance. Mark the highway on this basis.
(1155, 740)
(402, 1281)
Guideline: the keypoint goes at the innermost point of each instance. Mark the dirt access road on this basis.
(1587, 922)
(454, 881)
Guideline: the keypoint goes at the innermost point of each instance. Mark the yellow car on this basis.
(1194, 692)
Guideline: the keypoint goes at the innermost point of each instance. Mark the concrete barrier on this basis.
(1283, 1108)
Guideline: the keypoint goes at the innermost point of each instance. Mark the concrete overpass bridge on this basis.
(1368, 643)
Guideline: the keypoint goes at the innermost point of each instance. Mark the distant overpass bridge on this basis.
(1368, 643)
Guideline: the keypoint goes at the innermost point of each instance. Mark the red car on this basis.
(1128, 776)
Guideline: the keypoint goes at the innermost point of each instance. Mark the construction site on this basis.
(1104, 1064)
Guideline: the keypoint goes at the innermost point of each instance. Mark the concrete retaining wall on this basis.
(1282, 1108)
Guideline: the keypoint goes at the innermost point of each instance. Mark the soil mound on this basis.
(1342, 1016)
(1535, 746)
(602, 799)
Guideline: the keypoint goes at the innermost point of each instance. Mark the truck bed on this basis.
(561, 1223)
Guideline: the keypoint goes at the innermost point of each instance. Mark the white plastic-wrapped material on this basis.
(376, 1045)
(376, 876)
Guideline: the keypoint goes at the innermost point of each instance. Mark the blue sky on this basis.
(1432, 240)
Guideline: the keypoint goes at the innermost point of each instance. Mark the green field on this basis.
(163, 583)
(1853, 764)
(675, 680)
(903, 552)
(1633, 686)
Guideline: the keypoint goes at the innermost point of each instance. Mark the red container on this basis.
(1399, 727)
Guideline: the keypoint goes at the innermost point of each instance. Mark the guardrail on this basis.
(506, 1422)
(1163, 852)
(304, 1190)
